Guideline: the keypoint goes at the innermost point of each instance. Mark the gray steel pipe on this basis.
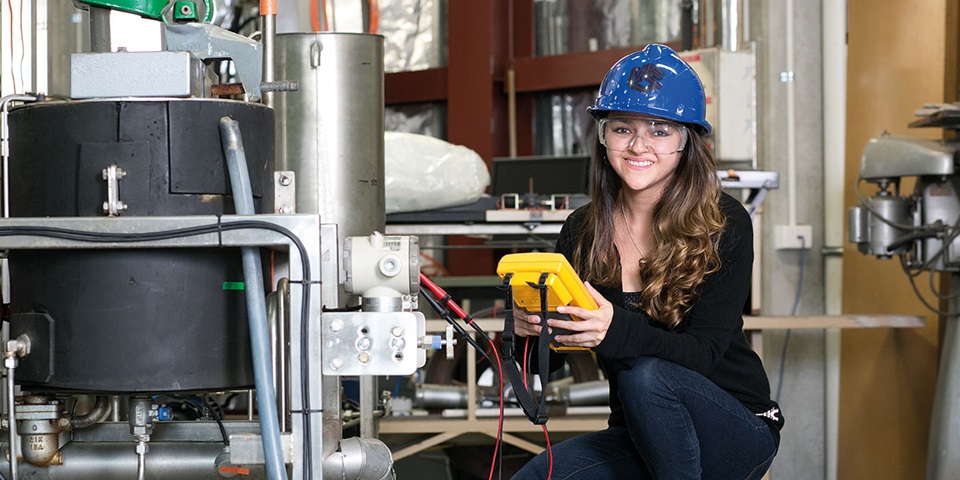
(268, 28)
(278, 316)
(256, 303)
(723, 23)
(587, 393)
(360, 459)
(99, 410)
(11, 365)
(118, 461)
(441, 396)
(100, 41)
(573, 395)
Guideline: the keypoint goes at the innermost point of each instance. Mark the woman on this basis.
(689, 398)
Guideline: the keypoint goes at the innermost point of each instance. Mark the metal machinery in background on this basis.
(145, 221)
(922, 229)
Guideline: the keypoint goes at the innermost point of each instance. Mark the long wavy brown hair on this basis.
(687, 225)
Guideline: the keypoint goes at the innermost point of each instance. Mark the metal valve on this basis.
(436, 342)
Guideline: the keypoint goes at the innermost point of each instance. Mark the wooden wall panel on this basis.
(900, 56)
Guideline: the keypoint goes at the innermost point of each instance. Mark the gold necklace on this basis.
(626, 227)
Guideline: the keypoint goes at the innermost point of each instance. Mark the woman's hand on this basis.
(592, 327)
(525, 324)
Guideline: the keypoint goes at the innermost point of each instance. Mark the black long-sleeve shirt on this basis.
(709, 340)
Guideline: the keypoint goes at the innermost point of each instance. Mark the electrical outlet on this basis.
(792, 237)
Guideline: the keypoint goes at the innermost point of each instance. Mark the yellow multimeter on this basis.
(564, 286)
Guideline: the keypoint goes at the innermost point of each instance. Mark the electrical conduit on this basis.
(256, 304)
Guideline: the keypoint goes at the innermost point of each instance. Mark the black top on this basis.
(709, 340)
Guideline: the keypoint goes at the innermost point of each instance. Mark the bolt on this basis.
(396, 331)
(336, 363)
(286, 208)
(397, 343)
(364, 357)
(285, 180)
(336, 325)
(364, 343)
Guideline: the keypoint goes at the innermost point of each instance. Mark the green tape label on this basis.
(233, 285)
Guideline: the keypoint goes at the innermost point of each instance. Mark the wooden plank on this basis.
(415, 87)
(569, 71)
(421, 446)
(521, 443)
(488, 426)
(766, 322)
(833, 321)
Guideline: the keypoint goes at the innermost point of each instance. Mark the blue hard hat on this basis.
(654, 81)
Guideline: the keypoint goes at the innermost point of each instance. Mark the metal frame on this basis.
(314, 236)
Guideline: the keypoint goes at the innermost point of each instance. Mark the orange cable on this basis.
(314, 16)
(374, 16)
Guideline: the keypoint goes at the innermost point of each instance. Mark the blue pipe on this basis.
(256, 303)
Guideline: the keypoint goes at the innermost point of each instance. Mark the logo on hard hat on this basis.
(646, 79)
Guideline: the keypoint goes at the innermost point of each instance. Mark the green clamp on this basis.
(155, 9)
(185, 12)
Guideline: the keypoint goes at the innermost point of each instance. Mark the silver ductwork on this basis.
(360, 459)
(723, 23)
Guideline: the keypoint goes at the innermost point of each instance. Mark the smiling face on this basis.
(644, 151)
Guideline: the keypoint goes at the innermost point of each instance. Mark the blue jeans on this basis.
(680, 425)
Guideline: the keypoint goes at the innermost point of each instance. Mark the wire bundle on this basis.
(443, 304)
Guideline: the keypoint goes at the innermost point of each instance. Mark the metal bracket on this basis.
(210, 42)
(285, 197)
(113, 206)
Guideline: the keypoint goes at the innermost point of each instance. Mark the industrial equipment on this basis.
(921, 228)
(167, 249)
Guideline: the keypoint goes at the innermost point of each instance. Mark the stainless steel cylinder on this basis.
(441, 396)
(587, 393)
(723, 23)
(330, 132)
(117, 460)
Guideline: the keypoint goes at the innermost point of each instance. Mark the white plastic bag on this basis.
(426, 173)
